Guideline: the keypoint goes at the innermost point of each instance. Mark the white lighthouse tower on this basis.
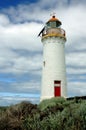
(54, 70)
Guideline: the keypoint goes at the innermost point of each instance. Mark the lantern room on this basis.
(53, 22)
(53, 28)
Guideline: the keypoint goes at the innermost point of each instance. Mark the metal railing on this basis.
(54, 31)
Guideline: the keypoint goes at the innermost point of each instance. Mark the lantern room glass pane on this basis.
(53, 24)
(48, 24)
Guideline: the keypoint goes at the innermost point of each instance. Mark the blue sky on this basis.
(8, 3)
(21, 49)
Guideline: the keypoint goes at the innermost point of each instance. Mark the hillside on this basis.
(51, 114)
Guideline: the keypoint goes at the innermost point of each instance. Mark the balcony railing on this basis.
(52, 31)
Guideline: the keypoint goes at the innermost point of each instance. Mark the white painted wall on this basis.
(54, 69)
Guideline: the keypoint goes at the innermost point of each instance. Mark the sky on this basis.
(21, 50)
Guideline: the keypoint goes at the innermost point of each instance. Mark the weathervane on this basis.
(52, 14)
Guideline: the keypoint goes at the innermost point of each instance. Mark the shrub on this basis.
(52, 114)
(50, 102)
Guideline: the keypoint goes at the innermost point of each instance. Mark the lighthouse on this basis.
(54, 82)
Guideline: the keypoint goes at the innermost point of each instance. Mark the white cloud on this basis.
(76, 59)
(30, 87)
(4, 20)
(20, 36)
(14, 99)
(77, 88)
(21, 65)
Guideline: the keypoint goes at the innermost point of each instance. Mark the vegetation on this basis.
(51, 114)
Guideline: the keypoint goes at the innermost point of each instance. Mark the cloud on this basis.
(16, 38)
(21, 49)
(4, 20)
(75, 59)
(76, 88)
(20, 65)
(23, 87)
(20, 36)
(12, 98)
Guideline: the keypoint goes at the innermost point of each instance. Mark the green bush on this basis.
(52, 114)
(50, 103)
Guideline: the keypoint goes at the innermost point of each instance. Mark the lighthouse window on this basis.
(48, 24)
(53, 24)
(44, 63)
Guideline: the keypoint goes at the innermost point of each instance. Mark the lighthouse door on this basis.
(57, 88)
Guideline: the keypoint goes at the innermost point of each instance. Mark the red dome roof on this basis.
(53, 19)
